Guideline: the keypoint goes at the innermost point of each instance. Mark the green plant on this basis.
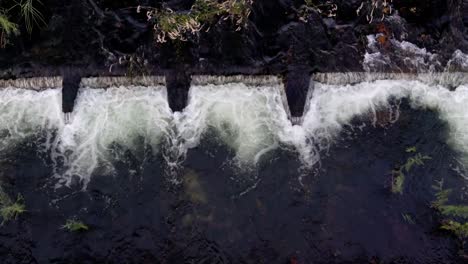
(75, 226)
(411, 149)
(418, 160)
(408, 218)
(9, 209)
(31, 15)
(206, 11)
(441, 199)
(7, 29)
(458, 229)
(27, 10)
(454, 210)
(398, 181)
(398, 175)
(203, 13)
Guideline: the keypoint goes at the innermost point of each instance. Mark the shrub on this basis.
(75, 226)
(398, 181)
(398, 176)
(31, 15)
(7, 29)
(9, 209)
(441, 199)
(458, 229)
(27, 10)
(203, 13)
(454, 210)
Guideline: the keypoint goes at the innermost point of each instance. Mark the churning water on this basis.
(249, 116)
(333, 107)
(106, 123)
(321, 190)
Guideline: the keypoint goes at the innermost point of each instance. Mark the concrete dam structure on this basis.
(295, 90)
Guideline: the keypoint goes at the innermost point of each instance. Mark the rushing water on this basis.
(251, 187)
(108, 122)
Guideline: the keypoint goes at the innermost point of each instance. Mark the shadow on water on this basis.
(343, 212)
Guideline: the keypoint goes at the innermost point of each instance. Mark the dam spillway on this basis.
(229, 158)
(248, 114)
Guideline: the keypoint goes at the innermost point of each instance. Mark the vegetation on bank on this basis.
(371, 9)
(27, 14)
(170, 24)
(10, 209)
(7, 29)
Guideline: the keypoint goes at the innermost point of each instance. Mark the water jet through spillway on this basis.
(249, 115)
(233, 154)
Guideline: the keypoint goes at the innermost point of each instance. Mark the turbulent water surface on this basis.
(230, 179)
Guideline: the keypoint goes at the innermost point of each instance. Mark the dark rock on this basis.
(95, 34)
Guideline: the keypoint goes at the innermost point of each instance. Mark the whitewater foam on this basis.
(332, 107)
(26, 113)
(129, 118)
(249, 117)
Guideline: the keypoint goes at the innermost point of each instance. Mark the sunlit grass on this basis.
(398, 175)
(75, 226)
(458, 229)
(7, 28)
(9, 209)
(32, 16)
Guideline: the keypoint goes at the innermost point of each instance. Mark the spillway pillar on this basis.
(297, 84)
(70, 87)
(178, 86)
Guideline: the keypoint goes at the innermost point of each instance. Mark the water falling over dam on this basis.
(234, 164)
(250, 115)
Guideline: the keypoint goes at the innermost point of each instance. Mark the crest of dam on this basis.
(114, 118)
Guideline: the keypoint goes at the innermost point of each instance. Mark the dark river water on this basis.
(213, 207)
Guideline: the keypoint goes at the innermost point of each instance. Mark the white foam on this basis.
(129, 117)
(458, 62)
(25, 113)
(251, 120)
(332, 107)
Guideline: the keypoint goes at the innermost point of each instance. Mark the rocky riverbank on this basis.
(103, 37)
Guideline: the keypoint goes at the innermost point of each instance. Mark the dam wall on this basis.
(295, 88)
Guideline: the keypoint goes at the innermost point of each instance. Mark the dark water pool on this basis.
(342, 211)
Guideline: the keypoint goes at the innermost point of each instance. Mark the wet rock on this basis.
(94, 35)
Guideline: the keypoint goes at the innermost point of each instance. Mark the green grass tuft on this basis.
(202, 15)
(6, 26)
(75, 226)
(398, 182)
(9, 209)
(454, 210)
(7, 29)
(398, 175)
(32, 16)
(458, 229)
(418, 160)
(441, 198)
(411, 150)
